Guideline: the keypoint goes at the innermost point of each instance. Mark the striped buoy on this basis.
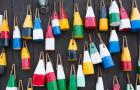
(63, 18)
(125, 21)
(114, 14)
(129, 85)
(90, 19)
(114, 43)
(88, 67)
(5, 33)
(116, 85)
(137, 82)
(39, 74)
(126, 61)
(138, 67)
(78, 31)
(103, 21)
(16, 36)
(12, 82)
(25, 57)
(80, 74)
(49, 40)
(55, 23)
(27, 25)
(105, 54)
(61, 79)
(72, 80)
(99, 83)
(37, 31)
(135, 17)
(30, 85)
(3, 62)
(51, 81)
(20, 85)
(72, 50)
(94, 54)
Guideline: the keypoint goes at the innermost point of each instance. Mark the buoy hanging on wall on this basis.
(114, 43)
(39, 74)
(16, 36)
(116, 85)
(99, 83)
(55, 22)
(125, 21)
(27, 25)
(30, 85)
(72, 80)
(129, 85)
(126, 60)
(3, 62)
(61, 79)
(72, 50)
(90, 19)
(105, 54)
(51, 81)
(135, 17)
(78, 31)
(37, 31)
(94, 54)
(80, 74)
(103, 21)
(25, 57)
(88, 67)
(50, 39)
(114, 14)
(63, 18)
(5, 33)
(12, 82)
(137, 82)
(20, 85)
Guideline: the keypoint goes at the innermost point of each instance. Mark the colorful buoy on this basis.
(114, 43)
(126, 60)
(94, 54)
(103, 21)
(80, 74)
(88, 67)
(137, 82)
(51, 81)
(20, 85)
(30, 85)
(37, 31)
(72, 50)
(5, 33)
(3, 62)
(129, 85)
(90, 19)
(105, 54)
(27, 25)
(43, 6)
(12, 82)
(116, 85)
(63, 18)
(55, 23)
(72, 80)
(50, 39)
(25, 57)
(78, 31)
(125, 21)
(114, 14)
(61, 79)
(39, 74)
(135, 17)
(99, 83)
(16, 36)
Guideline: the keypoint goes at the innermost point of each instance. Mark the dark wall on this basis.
(18, 8)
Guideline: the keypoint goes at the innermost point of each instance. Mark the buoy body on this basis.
(63, 20)
(90, 19)
(3, 63)
(135, 20)
(94, 54)
(37, 31)
(72, 83)
(103, 21)
(137, 87)
(99, 84)
(77, 26)
(129, 87)
(16, 38)
(114, 43)
(12, 84)
(105, 56)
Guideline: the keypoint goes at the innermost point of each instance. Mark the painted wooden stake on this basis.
(129, 84)
(30, 85)
(116, 85)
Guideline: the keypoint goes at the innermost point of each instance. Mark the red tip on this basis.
(49, 32)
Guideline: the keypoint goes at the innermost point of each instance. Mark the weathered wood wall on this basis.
(18, 8)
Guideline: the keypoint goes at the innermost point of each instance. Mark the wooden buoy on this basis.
(129, 85)
(30, 85)
(116, 85)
